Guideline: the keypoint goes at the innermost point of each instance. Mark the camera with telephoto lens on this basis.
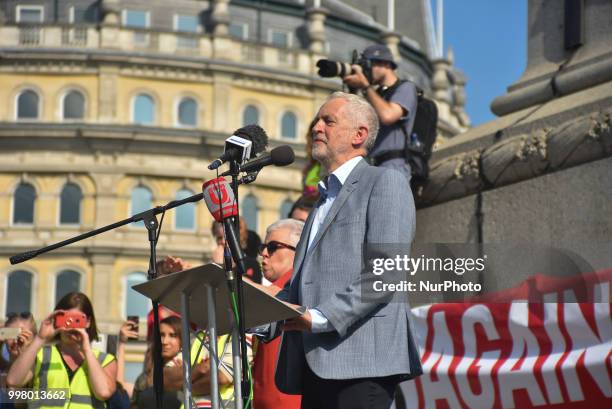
(331, 68)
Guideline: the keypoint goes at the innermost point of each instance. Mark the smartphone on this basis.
(70, 319)
(134, 319)
(9, 333)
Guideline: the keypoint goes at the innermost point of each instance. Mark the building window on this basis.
(143, 110)
(140, 20)
(285, 208)
(280, 38)
(70, 204)
(19, 292)
(28, 105)
(289, 125)
(186, 24)
(135, 303)
(142, 199)
(29, 14)
(184, 216)
(23, 204)
(83, 14)
(239, 31)
(250, 116)
(249, 211)
(73, 106)
(29, 18)
(67, 281)
(187, 112)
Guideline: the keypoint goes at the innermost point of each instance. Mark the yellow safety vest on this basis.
(50, 373)
(223, 342)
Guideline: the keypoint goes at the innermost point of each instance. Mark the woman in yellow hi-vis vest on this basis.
(62, 359)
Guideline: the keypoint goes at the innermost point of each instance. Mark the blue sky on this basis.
(489, 40)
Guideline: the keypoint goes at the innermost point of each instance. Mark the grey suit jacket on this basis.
(373, 338)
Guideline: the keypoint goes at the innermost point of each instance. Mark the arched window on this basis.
(67, 281)
(289, 125)
(285, 208)
(249, 212)
(188, 112)
(74, 105)
(28, 105)
(23, 204)
(70, 204)
(19, 292)
(184, 216)
(143, 110)
(135, 303)
(250, 115)
(142, 199)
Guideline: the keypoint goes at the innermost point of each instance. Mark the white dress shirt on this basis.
(329, 189)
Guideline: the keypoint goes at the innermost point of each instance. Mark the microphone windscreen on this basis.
(220, 199)
(282, 155)
(256, 135)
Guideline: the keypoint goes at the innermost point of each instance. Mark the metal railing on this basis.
(30, 35)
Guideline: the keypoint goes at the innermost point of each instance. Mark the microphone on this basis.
(221, 203)
(245, 143)
(279, 156)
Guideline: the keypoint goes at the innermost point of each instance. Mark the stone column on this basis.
(222, 91)
(220, 17)
(441, 87)
(102, 285)
(553, 67)
(111, 21)
(316, 28)
(107, 93)
(392, 39)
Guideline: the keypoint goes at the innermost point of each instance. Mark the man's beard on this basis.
(319, 156)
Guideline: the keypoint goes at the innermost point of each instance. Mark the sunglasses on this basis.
(273, 246)
(13, 315)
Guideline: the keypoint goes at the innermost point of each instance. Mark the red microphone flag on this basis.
(220, 199)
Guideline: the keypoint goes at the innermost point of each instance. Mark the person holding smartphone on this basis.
(24, 327)
(61, 357)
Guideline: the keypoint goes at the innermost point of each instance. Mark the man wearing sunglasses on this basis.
(277, 254)
(346, 351)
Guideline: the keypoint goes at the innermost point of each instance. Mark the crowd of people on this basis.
(50, 356)
(341, 352)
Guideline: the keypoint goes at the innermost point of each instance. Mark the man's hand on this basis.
(356, 79)
(301, 323)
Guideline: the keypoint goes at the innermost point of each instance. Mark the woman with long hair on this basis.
(143, 395)
(61, 357)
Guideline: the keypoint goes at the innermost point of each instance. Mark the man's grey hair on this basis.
(359, 111)
(294, 227)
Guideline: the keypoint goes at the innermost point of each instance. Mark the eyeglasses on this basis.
(273, 246)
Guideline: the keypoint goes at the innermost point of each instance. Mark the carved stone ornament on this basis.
(516, 158)
(522, 157)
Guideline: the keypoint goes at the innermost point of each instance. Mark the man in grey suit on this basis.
(346, 351)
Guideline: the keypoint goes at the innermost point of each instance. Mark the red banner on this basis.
(512, 354)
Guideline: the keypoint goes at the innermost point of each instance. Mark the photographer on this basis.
(395, 103)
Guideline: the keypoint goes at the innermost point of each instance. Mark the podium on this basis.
(202, 297)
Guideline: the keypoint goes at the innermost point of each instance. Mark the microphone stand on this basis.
(148, 217)
(233, 239)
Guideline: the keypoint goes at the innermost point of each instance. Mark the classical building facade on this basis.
(111, 107)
